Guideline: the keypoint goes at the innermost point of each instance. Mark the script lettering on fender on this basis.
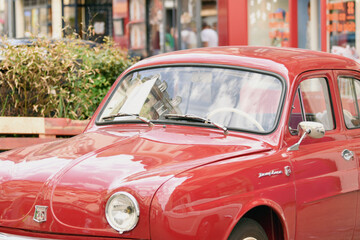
(270, 173)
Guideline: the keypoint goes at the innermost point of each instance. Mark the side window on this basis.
(350, 99)
(312, 103)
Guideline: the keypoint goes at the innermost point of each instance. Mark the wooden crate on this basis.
(35, 130)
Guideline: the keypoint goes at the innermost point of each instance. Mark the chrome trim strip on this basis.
(6, 236)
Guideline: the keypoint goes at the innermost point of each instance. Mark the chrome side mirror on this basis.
(312, 129)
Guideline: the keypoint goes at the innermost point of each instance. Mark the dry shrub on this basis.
(58, 78)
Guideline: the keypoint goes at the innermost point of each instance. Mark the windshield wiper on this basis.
(186, 117)
(194, 118)
(145, 120)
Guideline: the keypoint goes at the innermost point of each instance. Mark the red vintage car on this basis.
(214, 143)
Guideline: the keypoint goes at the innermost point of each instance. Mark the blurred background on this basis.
(149, 27)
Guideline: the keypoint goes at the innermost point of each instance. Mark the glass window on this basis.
(174, 25)
(74, 19)
(296, 113)
(209, 36)
(69, 2)
(27, 17)
(341, 27)
(137, 28)
(37, 16)
(236, 99)
(35, 21)
(82, 15)
(312, 103)
(350, 99)
(69, 19)
(43, 16)
(3, 17)
(156, 27)
(268, 23)
(188, 24)
(171, 25)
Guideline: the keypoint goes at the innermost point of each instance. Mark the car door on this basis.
(349, 89)
(326, 184)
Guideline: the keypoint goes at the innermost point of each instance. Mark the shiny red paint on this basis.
(194, 182)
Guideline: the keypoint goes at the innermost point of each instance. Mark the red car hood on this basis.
(76, 176)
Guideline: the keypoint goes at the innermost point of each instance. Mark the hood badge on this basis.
(287, 171)
(40, 213)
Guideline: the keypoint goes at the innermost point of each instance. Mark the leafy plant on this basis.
(58, 78)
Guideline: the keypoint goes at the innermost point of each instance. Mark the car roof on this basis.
(283, 61)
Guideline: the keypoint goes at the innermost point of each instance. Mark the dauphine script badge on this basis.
(40, 213)
(287, 171)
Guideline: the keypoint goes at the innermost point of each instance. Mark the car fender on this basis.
(209, 200)
(275, 207)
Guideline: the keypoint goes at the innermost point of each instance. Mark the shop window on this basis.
(69, 19)
(156, 27)
(137, 28)
(120, 13)
(174, 25)
(37, 14)
(209, 35)
(3, 17)
(68, 2)
(188, 25)
(81, 15)
(341, 27)
(171, 23)
(74, 19)
(268, 23)
(118, 27)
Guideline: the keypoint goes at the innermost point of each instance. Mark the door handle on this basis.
(347, 154)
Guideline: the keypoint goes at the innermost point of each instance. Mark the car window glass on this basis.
(234, 98)
(296, 114)
(312, 103)
(350, 99)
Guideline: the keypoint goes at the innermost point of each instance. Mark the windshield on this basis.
(237, 99)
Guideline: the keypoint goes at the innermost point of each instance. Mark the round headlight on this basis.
(122, 211)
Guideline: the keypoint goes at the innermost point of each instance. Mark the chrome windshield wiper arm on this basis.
(196, 119)
(186, 117)
(219, 126)
(145, 120)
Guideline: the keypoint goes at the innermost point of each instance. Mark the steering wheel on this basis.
(239, 112)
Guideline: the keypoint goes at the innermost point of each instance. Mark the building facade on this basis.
(149, 27)
(326, 25)
(156, 26)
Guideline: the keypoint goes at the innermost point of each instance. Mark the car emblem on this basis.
(270, 173)
(287, 170)
(40, 213)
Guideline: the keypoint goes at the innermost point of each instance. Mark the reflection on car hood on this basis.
(74, 177)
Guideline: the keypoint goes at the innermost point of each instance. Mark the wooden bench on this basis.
(33, 130)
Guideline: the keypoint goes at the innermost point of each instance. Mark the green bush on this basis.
(62, 78)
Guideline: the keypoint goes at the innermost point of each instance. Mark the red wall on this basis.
(293, 23)
(232, 22)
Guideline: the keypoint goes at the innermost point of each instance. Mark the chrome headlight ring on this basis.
(122, 212)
